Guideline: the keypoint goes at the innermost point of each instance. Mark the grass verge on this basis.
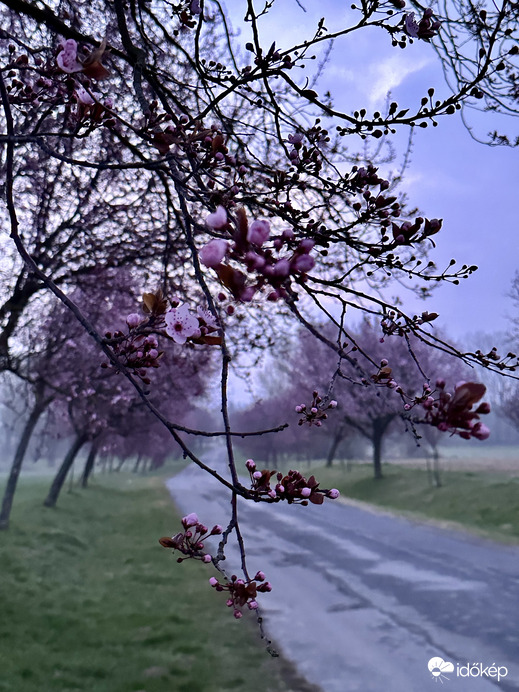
(90, 601)
(485, 502)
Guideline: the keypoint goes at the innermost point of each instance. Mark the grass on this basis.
(90, 601)
(484, 502)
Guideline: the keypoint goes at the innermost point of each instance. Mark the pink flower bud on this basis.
(306, 244)
(206, 558)
(250, 464)
(238, 614)
(247, 294)
(333, 494)
(303, 263)
(272, 494)
(313, 409)
(217, 219)
(213, 253)
(332, 404)
(299, 409)
(153, 353)
(256, 475)
(480, 431)
(252, 605)
(190, 520)
(213, 581)
(260, 576)
(254, 261)
(133, 320)
(281, 268)
(306, 492)
(258, 232)
(216, 530)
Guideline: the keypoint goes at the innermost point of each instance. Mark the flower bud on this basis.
(133, 320)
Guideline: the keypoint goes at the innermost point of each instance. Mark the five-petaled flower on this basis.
(180, 324)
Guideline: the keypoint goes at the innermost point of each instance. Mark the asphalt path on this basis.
(362, 600)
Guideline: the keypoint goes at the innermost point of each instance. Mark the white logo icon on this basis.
(438, 667)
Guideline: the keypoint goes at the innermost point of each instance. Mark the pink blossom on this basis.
(217, 219)
(480, 431)
(190, 520)
(254, 261)
(213, 253)
(303, 263)
(133, 320)
(333, 493)
(281, 268)
(258, 232)
(83, 97)
(247, 294)
(207, 317)
(410, 25)
(180, 324)
(306, 244)
(67, 58)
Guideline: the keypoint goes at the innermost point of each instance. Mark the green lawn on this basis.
(482, 501)
(90, 601)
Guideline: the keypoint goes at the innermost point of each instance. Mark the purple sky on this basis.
(471, 186)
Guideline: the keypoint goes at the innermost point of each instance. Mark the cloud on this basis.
(391, 73)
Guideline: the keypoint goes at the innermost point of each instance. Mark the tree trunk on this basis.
(137, 463)
(7, 503)
(60, 477)
(436, 468)
(121, 464)
(89, 465)
(379, 428)
(338, 438)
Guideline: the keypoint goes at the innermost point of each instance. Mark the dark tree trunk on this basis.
(89, 465)
(436, 468)
(121, 464)
(337, 439)
(60, 477)
(7, 503)
(137, 463)
(379, 428)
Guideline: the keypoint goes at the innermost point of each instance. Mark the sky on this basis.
(473, 187)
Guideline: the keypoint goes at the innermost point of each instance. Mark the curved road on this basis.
(362, 600)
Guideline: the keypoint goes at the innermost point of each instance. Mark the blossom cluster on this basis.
(424, 29)
(247, 247)
(293, 487)
(316, 412)
(190, 542)
(135, 350)
(182, 325)
(454, 413)
(242, 592)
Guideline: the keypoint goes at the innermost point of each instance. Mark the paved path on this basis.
(362, 600)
